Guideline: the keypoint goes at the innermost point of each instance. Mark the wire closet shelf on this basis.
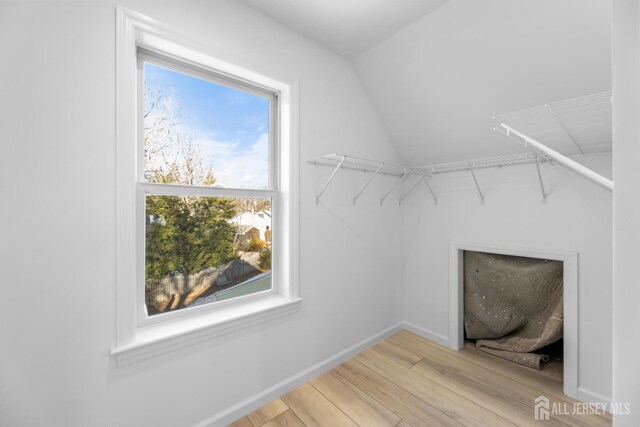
(422, 173)
(575, 126)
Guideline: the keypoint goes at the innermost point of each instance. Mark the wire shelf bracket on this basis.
(355, 198)
(335, 171)
(345, 162)
(413, 187)
(424, 173)
(422, 178)
(475, 180)
(564, 128)
(402, 178)
(544, 194)
(435, 199)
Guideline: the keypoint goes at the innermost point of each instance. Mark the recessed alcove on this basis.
(524, 258)
(513, 308)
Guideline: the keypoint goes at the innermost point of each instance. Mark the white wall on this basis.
(436, 85)
(57, 184)
(57, 181)
(626, 175)
(577, 217)
(438, 82)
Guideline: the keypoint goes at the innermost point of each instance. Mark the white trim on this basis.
(185, 65)
(134, 32)
(210, 75)
(252, 403)
(570, 285)
(258, 400)
(194, 190)
(249, 405)
(154, 341)
(589, 396)
(427, 334)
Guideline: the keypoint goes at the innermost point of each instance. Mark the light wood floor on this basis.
(409, 381)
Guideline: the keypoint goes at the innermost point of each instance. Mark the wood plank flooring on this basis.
(408, 381)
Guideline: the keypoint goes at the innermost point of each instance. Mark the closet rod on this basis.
(563, 160)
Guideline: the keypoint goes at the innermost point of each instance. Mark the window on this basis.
(206, 192)
(204, 137)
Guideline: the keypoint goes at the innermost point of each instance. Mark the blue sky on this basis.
(230, 126)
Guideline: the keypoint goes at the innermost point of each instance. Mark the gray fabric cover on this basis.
(513, 305)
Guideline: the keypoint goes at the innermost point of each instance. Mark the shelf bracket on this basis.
(477, 186)
(402, 178)
(421, 179)
(435, 199)
(544, 194)
(508, 135)
(401, 199)
(564, 128)
(330, 179)
(367, 184)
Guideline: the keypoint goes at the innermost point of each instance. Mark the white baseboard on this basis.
(589, 396)
(251, 404)
(425, 333)
(583, 394)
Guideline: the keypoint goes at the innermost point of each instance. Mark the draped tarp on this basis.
(512, 305)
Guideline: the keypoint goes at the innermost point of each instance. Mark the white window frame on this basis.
(138, 335)
(145, 188)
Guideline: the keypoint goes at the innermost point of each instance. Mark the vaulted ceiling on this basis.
(348, 27)
(440, 70)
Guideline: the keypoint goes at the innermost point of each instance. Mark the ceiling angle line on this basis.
(330, 179)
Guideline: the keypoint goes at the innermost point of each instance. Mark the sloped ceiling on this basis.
(348, 27)
(437, 83)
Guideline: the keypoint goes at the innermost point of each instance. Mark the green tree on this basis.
(264, 262)
(184, 234)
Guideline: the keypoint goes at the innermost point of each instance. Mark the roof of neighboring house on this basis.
(244, 229)
(261, 282)
(240, 215)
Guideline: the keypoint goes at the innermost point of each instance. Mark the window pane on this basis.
(199, 250)
(201, 133)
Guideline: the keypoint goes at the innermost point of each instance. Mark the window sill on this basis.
(155, 340)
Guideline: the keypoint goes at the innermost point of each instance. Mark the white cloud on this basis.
(234, 168)
(233, 165)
